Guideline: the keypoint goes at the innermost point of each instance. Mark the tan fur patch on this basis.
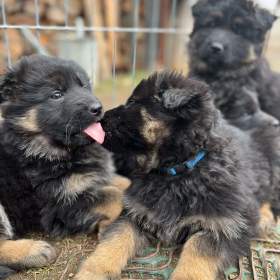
(26, 253)
(251, 55)
(29, 121)
(121, 182)
(192, 265)
(112, 208)
(141, 159)
(267, 220)
(153, 130)
(77, 183)
(110, 257)
(39, 146)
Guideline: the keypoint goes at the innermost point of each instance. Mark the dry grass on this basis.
(70, 253)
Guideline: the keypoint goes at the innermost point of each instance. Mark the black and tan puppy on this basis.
(53, 176)
(196, 181)
(226, 48)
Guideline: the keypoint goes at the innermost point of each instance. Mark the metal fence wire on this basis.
(32, 32)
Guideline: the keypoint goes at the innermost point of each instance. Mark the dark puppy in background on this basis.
(196, 181)
(54, 177)
(226, 48)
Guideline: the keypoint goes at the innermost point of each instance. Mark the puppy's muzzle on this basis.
(216, 48)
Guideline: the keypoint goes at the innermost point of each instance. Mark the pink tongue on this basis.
(96, 132)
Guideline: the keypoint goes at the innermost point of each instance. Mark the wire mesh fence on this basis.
(160, 30)
(107, 37)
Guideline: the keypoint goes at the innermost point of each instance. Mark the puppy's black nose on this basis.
(217, 48)
(96, 109)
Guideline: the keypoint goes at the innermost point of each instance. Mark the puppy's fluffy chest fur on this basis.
(156, 222)
(34, 177)
(170, 208)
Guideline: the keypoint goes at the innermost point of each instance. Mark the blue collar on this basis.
(180, 168)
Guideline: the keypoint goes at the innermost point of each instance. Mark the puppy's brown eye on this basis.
(56, 94)
(130, 102)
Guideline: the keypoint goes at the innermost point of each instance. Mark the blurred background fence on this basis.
(116, 41)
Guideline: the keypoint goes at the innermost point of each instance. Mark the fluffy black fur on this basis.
(226, 48)
(241, 108)
(52, 176)
(166, 121)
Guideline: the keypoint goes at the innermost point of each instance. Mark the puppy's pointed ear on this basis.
(10, 82)
(199, 8)
(265, 18)
(176, 97)
(186, 101)
(8, 86)
(139, 88)
(139, 91)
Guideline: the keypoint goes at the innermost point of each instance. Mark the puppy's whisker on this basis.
(67, 132)
(80, 125)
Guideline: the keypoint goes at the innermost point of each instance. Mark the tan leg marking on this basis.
(192, 265)
(112, 208)
(267, 220)
(121, 182)
(110, 256)
(25, 253)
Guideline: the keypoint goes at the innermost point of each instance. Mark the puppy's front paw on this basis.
(41, 253)
(121, 182)
(92, 270)
(267, 222)
(26, 253)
